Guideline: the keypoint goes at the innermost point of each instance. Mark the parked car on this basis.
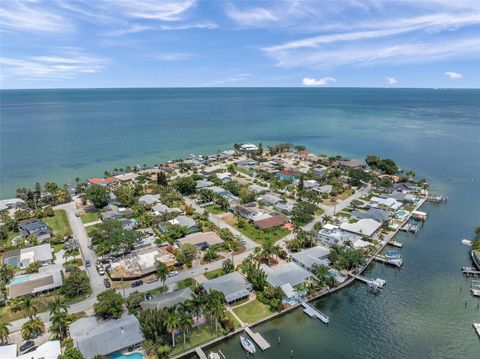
(107, 283)
(88, 263)
(68, 269)
(152, 279)
(148, 296)
(100, 270)
(25, 345)
(172, 273)
(32, 349)
(137, 283)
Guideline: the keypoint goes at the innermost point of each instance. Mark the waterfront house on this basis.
(331, 234)
(288, 175)
(389, 204)
(312, 257)
(233, 285)
(36, 228)
(149, 199)
(47, 278)
(374, 213)
(94, 337)
(167, 300)
(21, 258)
(405, 187)
(12, 203)
(103, 181)
(126, 177)
(288, 273)
(185, 221)
(202, 240)
(364, 227)
(346, 164)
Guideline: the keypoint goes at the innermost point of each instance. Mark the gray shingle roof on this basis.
(311, 257)
(167, 300)
(233, 285)
(286, 273)
(97, 338)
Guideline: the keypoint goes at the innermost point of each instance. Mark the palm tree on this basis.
(197, 304)
(186, 322)
(6, 274)
(4, 332)
(215, 307)
(58, 318)
(28, 307)
(162, 271)
(172, 322)
(326, 219)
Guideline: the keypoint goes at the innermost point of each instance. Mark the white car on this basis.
(172, 273)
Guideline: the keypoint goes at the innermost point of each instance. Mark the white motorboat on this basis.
(247, 344)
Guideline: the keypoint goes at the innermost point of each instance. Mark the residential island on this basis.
(162, 261)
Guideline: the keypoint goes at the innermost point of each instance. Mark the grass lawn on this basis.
(231, 318)
(214, 209)
(58, 247)
(89, 229)
(343, 214)
(410, 208)
(253, 311)
(259, 235)
(90, 217)
(242, 170)
(188, 282)
(58, 223)
(196, 337)
(214, 273)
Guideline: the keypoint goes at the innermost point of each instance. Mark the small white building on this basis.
(364, 227)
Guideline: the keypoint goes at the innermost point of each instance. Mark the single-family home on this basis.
(406, 187)
(318, 171)
(233, 285)
(270, 199)
(374, 213)
(346, 164)
(23, 257)
(289, 175)
(36, 228)
(390, 204)
(47, 278)
(323, 189)
(103, 181)
(224, 176)
(274, 220)
(160, 208)
(149, 199)
(312, 257)
(93, 337)
(185, 221)
(47, 350)
(203, 240)
(286, 207)
(12, 203)
(331, 234)
(168, 300)
(364, 227)
(288, 273)
(225, 194)
(126, 177)
(257, 189)
(204, 184)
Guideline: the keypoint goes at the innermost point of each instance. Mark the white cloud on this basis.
(31, 17)
(140, 28)
(454, 75)
(165, 10)
(234, 78)
(310, 81)
(68, 64)
(172, 56)
(391, 80)
(252, 16)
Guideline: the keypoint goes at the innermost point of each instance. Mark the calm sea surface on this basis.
(425, 311)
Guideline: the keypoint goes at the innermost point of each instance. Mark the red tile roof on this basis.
(288, 172)
(104, 181)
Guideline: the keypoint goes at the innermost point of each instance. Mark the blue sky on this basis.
(183, 43)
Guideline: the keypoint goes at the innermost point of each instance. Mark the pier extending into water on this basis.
(397, 262)
(395, 244)
(201, 354)
(470, 271)
(312, 312)
(374, 283)
(258, 339)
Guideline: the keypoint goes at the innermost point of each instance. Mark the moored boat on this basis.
(247, 344)
(392, 255)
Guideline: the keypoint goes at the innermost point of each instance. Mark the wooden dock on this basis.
(397, 262)
(375, 283)
(201, 354)
(470, 271)
(258, 339)
(312, 312)
(395, 244)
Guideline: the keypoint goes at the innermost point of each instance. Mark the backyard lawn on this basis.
(214, 209)
(259, 235)
(196, 337)
(253, 311)
(58, 223)
(232, 319)
(90, 217)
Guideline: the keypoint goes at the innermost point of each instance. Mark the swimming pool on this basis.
(120, 355)
(20, 279)
(401, 214)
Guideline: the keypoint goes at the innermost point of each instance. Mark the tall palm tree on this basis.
(197, 305)
(215, 307)
(28, 307)
(4, 332)
(186, 322)
(162, 271)
(172, 322)
(58, 318)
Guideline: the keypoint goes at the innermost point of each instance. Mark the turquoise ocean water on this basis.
(425, 311)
